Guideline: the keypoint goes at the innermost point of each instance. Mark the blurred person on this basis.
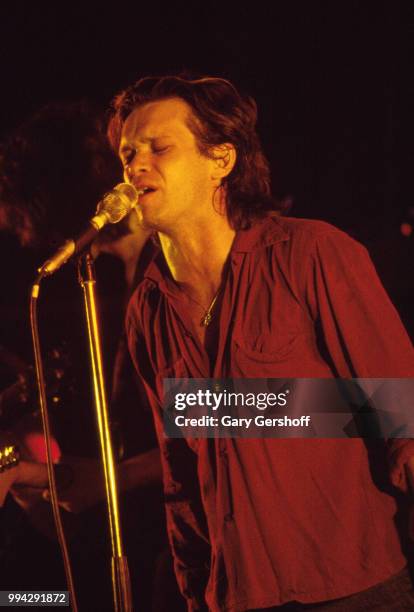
(53, 170)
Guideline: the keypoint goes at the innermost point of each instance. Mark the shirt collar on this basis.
(262, 234)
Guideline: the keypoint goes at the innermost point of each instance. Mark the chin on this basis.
(147, 223)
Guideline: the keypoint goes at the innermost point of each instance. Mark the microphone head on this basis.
(118, 202)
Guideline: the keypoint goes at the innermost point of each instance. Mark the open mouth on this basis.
(145, 190)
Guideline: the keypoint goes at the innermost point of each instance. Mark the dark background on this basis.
(334, 85)
(333, 81)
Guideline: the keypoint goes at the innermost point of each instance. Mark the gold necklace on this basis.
(206, 320)
(208, 314)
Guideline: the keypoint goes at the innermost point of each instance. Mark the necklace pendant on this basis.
(206, 320)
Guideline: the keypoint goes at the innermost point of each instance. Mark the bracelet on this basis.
(9, 457)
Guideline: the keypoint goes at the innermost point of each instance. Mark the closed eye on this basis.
(160, 150)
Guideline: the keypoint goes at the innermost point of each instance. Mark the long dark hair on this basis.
(220, 115)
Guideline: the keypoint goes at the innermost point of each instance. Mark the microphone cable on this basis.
(34, 295)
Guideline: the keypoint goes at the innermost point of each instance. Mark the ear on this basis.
(223, 157)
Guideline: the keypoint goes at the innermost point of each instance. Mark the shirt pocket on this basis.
(269, 346)
(265, 356)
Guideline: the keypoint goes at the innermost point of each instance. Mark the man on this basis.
(239, 291)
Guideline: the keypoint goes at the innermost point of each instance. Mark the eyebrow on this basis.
(147, 139)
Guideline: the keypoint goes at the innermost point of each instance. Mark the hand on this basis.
(25, 474)
(30, 479)
(80, 483)
(31, 476)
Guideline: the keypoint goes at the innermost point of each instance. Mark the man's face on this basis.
(159, 152)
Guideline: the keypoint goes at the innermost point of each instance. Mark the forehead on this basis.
(155, 119)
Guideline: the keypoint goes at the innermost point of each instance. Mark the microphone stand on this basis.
(120, 573)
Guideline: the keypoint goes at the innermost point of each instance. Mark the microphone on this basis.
(114, 206)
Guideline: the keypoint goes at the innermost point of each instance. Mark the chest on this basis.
(194, 317)
(259, 329)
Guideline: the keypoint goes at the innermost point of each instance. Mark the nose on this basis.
(139, 164)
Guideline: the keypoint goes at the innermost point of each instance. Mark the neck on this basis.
(197, 255)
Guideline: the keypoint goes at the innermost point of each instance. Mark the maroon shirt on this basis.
(268, 521)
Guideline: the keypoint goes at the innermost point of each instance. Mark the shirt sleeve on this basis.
(186, 522)
(362, 332)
